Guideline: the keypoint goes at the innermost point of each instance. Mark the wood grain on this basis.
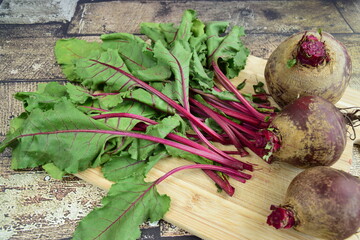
(255, 16)
(349, 9)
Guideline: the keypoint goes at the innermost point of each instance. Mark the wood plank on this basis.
(11, 31)
(349, 10)
(9, 107)
(28, 58)
(255, 16)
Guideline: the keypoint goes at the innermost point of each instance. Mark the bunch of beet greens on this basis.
(136, 102)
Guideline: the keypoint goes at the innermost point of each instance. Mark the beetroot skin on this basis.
(312, 132)
(321, 201)
(308, 63)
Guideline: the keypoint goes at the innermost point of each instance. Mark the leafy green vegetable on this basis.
(129, 203)
(130, 105)
(41, 137)
(67, 51)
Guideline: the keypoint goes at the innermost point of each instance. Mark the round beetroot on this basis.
(320, 201)
(308, 63)
(311, 131)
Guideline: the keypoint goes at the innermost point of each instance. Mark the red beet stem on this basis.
(311, 51)
(222, 183)
(281, 217)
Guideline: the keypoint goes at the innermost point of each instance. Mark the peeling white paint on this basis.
(36, 66)
(28, 196)
(14, 71)
(81, 21)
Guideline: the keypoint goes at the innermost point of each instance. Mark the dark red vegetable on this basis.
(311, 131)
(308, 63)
(321, 201)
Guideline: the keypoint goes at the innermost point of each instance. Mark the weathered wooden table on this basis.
(34, 206)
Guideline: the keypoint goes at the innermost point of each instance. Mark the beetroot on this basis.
(308, 63)
(321, 201)
(309, 132)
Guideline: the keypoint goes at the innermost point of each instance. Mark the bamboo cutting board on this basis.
(197, 207)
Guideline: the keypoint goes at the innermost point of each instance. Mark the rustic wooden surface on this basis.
(34, 206)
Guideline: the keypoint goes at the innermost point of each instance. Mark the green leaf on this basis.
(163, 32)
(122, 167)
(200, 78)
(178, 60)
(67, 51)
(290, 63)
(97, 76)
(46, 96)
(149, 99)
(43, 135)
(53, 171)
(110, 101)
(77, 94)
(241, 85)
(184, 31)
(144, 148)
(137, 56)
(198, 28)
(129, 203)
(128, 106)
(228, 52)
(216, 30)
(259, 87)
(132, 49)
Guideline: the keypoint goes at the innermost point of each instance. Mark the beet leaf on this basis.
(129, 203)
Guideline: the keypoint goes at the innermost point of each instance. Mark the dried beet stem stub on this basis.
(308, 63)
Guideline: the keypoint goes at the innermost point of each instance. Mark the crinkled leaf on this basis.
(200, 78)
(198, 44)
(46, 96)
(110, 101)
(132, 49)
(185, 28)
(98, 76)
(230, 53)
(77, 94)
(163, 32)
(215, 32)
(137, 56)
(198, 28)
(129, 203)
(67, 51)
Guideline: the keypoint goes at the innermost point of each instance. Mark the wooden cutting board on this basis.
(197, 207)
